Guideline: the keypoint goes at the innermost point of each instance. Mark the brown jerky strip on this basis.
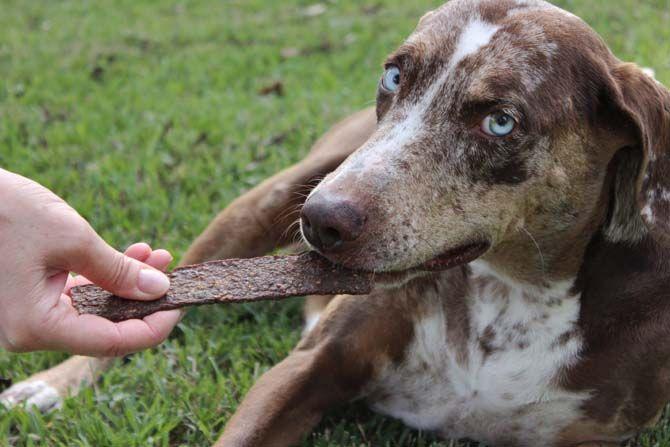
(231, 281)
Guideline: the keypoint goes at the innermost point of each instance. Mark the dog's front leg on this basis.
(335, 363)
(263, 218)
(290, 399)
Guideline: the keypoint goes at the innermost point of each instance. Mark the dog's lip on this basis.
(449, 259)
(454, 257)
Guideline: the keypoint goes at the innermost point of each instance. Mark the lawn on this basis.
(146, 116)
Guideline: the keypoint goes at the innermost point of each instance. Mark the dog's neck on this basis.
(541, 260)
(542, 293)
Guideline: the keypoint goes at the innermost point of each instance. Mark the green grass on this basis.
(145, 116)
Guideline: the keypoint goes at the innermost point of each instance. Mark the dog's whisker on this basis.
(429, 244)
(312, 183)
(290, 210)
(293, 209)
(297, 236)
(293, 227)
(287, 214)
(539, 250)
(289, 229)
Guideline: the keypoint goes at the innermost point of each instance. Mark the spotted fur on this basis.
(557, 335)
(505, 391)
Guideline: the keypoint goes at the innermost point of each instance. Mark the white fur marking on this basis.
(491, 392)
(475, 35)
(36, 393)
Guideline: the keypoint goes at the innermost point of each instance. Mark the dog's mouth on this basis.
(455, 257)
(449, 259)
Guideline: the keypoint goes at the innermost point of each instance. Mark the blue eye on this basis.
(391, 78)
(498, 124)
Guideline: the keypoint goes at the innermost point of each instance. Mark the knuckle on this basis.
(115, 345)
(119, 271)
(113, 351)
(157, 337)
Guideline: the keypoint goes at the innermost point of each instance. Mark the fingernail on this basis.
(152, 282)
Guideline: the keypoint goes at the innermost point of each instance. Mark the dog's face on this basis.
(497, 121)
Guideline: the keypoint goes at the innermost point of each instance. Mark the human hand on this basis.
(42, 239)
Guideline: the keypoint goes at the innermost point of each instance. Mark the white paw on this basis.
(31, 394)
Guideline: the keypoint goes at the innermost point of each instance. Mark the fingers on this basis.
(92, 335)
(95, 336)
(158, 259)
(121, 274)
(162, 323)
(140, 251)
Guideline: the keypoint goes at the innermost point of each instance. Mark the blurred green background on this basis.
(147, 117)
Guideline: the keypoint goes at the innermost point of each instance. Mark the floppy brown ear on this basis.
(645, 104)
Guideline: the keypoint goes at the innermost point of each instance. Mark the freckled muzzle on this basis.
(337, 226)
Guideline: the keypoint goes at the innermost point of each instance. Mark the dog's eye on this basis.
(391, 78)
(498, 124)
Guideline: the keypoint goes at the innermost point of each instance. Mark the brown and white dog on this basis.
(509, 140)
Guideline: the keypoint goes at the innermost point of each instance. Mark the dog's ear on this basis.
(643, 174)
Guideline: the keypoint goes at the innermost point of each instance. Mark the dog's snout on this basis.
(328, 221)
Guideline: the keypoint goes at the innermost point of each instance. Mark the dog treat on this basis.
(231, 281)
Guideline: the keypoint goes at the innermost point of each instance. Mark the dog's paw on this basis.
(33, 394)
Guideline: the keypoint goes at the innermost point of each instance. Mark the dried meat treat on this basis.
(231, 281)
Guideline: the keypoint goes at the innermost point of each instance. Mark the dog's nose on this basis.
(329, 221)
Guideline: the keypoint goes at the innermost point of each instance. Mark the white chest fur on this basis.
(502, 388)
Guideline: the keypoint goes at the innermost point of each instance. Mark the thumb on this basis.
(118, 273)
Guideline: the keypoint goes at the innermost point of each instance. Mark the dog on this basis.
(512, 184)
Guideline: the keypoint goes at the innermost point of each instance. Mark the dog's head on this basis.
(506, 128)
